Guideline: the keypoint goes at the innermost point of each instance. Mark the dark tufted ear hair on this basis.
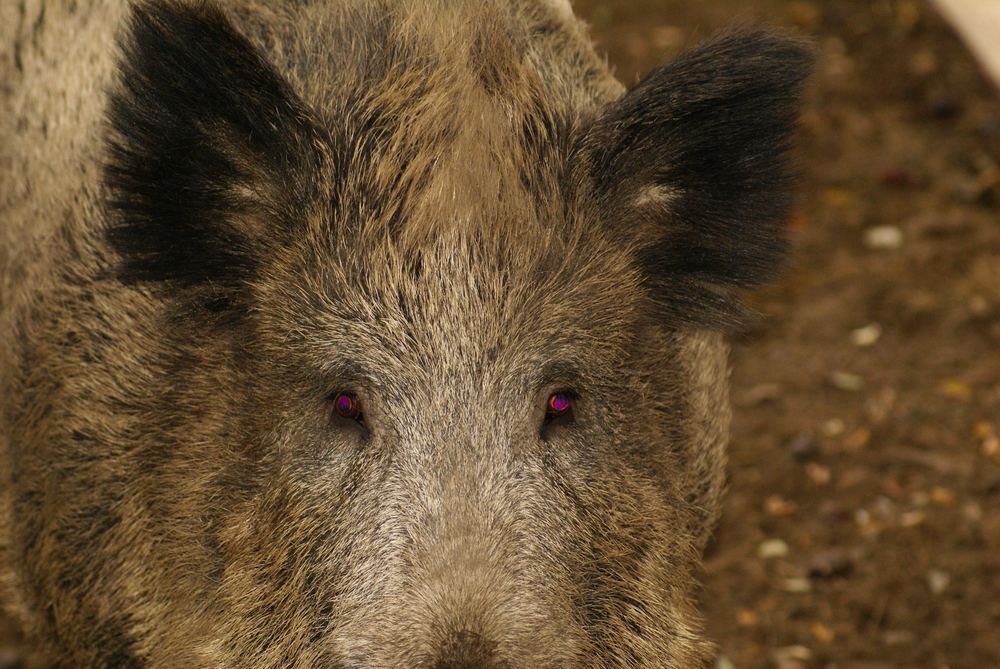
(693, 162)
(211, 155)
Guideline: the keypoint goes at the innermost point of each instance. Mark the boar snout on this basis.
(479, 586)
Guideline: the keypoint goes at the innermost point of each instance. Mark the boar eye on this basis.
(559, 403)
(346, 405)
(558, 408)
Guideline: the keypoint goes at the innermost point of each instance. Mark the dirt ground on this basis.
(862, 524)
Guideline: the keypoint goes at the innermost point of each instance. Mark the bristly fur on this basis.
(695, 158)
(212, 156)
(448, 208)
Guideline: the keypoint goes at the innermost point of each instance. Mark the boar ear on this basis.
(692, 162)
(210, 152)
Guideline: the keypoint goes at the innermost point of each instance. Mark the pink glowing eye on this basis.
(559, 403)
(347, 406)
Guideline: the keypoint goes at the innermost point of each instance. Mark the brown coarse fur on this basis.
(217, 218)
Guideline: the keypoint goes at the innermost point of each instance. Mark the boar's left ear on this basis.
(691, 163)
(211, 155)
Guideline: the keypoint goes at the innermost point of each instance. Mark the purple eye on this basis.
(347, 405)
(559, 403)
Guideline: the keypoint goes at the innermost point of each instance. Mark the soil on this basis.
(862, 525)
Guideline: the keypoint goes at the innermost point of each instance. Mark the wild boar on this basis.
(371, 334)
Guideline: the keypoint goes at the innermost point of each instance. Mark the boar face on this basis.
(432, 369)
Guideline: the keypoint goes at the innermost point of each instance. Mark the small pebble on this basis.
(834, 428)
(835, 60)
(857, 439)
(988, 179)
(943, 496)
(796, 585)
(795, 653)
(777, 506)
(898, 637)
(879, 405)
(973, 512)
(885, 507)
(955, 389)
(938, 581)
(896, 177)
(667, 37)
(822, 633)
(803, 447)
(892, 487)
(830, 564)
(912, 518)
(944, 107)
(837, 197)
(818, 474)
(923, 63)
(884, 238)
(984, 430)
(847, 381)
(805, 15)
(772, 548)
(866, 336)
(791, 664)
(724, 663)
(829, 508)
(979, 306)
(761, 393)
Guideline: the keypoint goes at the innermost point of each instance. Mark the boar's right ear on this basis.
(211, 155)
(691, 165)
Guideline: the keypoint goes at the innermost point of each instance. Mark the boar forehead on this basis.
(449, 234)
(474, 309)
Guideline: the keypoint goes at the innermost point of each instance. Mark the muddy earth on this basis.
(862, 523)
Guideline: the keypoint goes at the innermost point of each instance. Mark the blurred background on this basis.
(861, 529)
(862, 525)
